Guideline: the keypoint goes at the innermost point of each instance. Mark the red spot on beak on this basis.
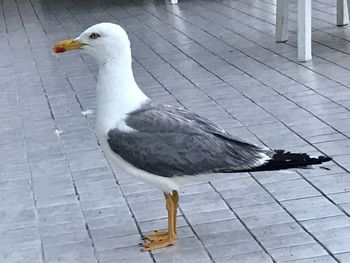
(59, 49)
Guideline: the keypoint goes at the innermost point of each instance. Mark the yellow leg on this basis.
(165, 238)
(160, 234)
(175, 198)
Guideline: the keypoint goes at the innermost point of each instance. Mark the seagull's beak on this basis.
(65, 45)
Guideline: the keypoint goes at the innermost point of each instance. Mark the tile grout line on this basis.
(42, 254)
(242, 222)
(325, 195)
(294, 218)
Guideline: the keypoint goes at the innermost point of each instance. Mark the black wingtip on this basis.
(286, 160)
(324, 159)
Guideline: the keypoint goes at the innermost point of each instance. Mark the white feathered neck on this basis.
(117, 94)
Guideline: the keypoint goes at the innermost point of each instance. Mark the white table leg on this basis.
(304, 30)
(342, 13)
(282, 21)
(174, 2)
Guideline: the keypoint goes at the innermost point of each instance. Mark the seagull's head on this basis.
(102, 41)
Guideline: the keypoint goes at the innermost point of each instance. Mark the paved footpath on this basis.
(60, 202)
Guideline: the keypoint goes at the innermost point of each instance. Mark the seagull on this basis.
(159, 144)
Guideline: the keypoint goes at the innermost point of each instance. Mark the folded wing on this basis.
(167, 141)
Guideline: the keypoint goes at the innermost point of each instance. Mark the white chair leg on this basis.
(342, 12)
(304, 30)
(174, 2)
(282, 20)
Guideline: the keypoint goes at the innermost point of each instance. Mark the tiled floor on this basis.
(59, 199)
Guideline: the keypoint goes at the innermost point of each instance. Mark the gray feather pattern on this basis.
(167, 141)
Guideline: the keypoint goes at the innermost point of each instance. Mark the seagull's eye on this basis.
(94, 35)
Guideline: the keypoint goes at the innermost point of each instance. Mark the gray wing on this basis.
(168, 141)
